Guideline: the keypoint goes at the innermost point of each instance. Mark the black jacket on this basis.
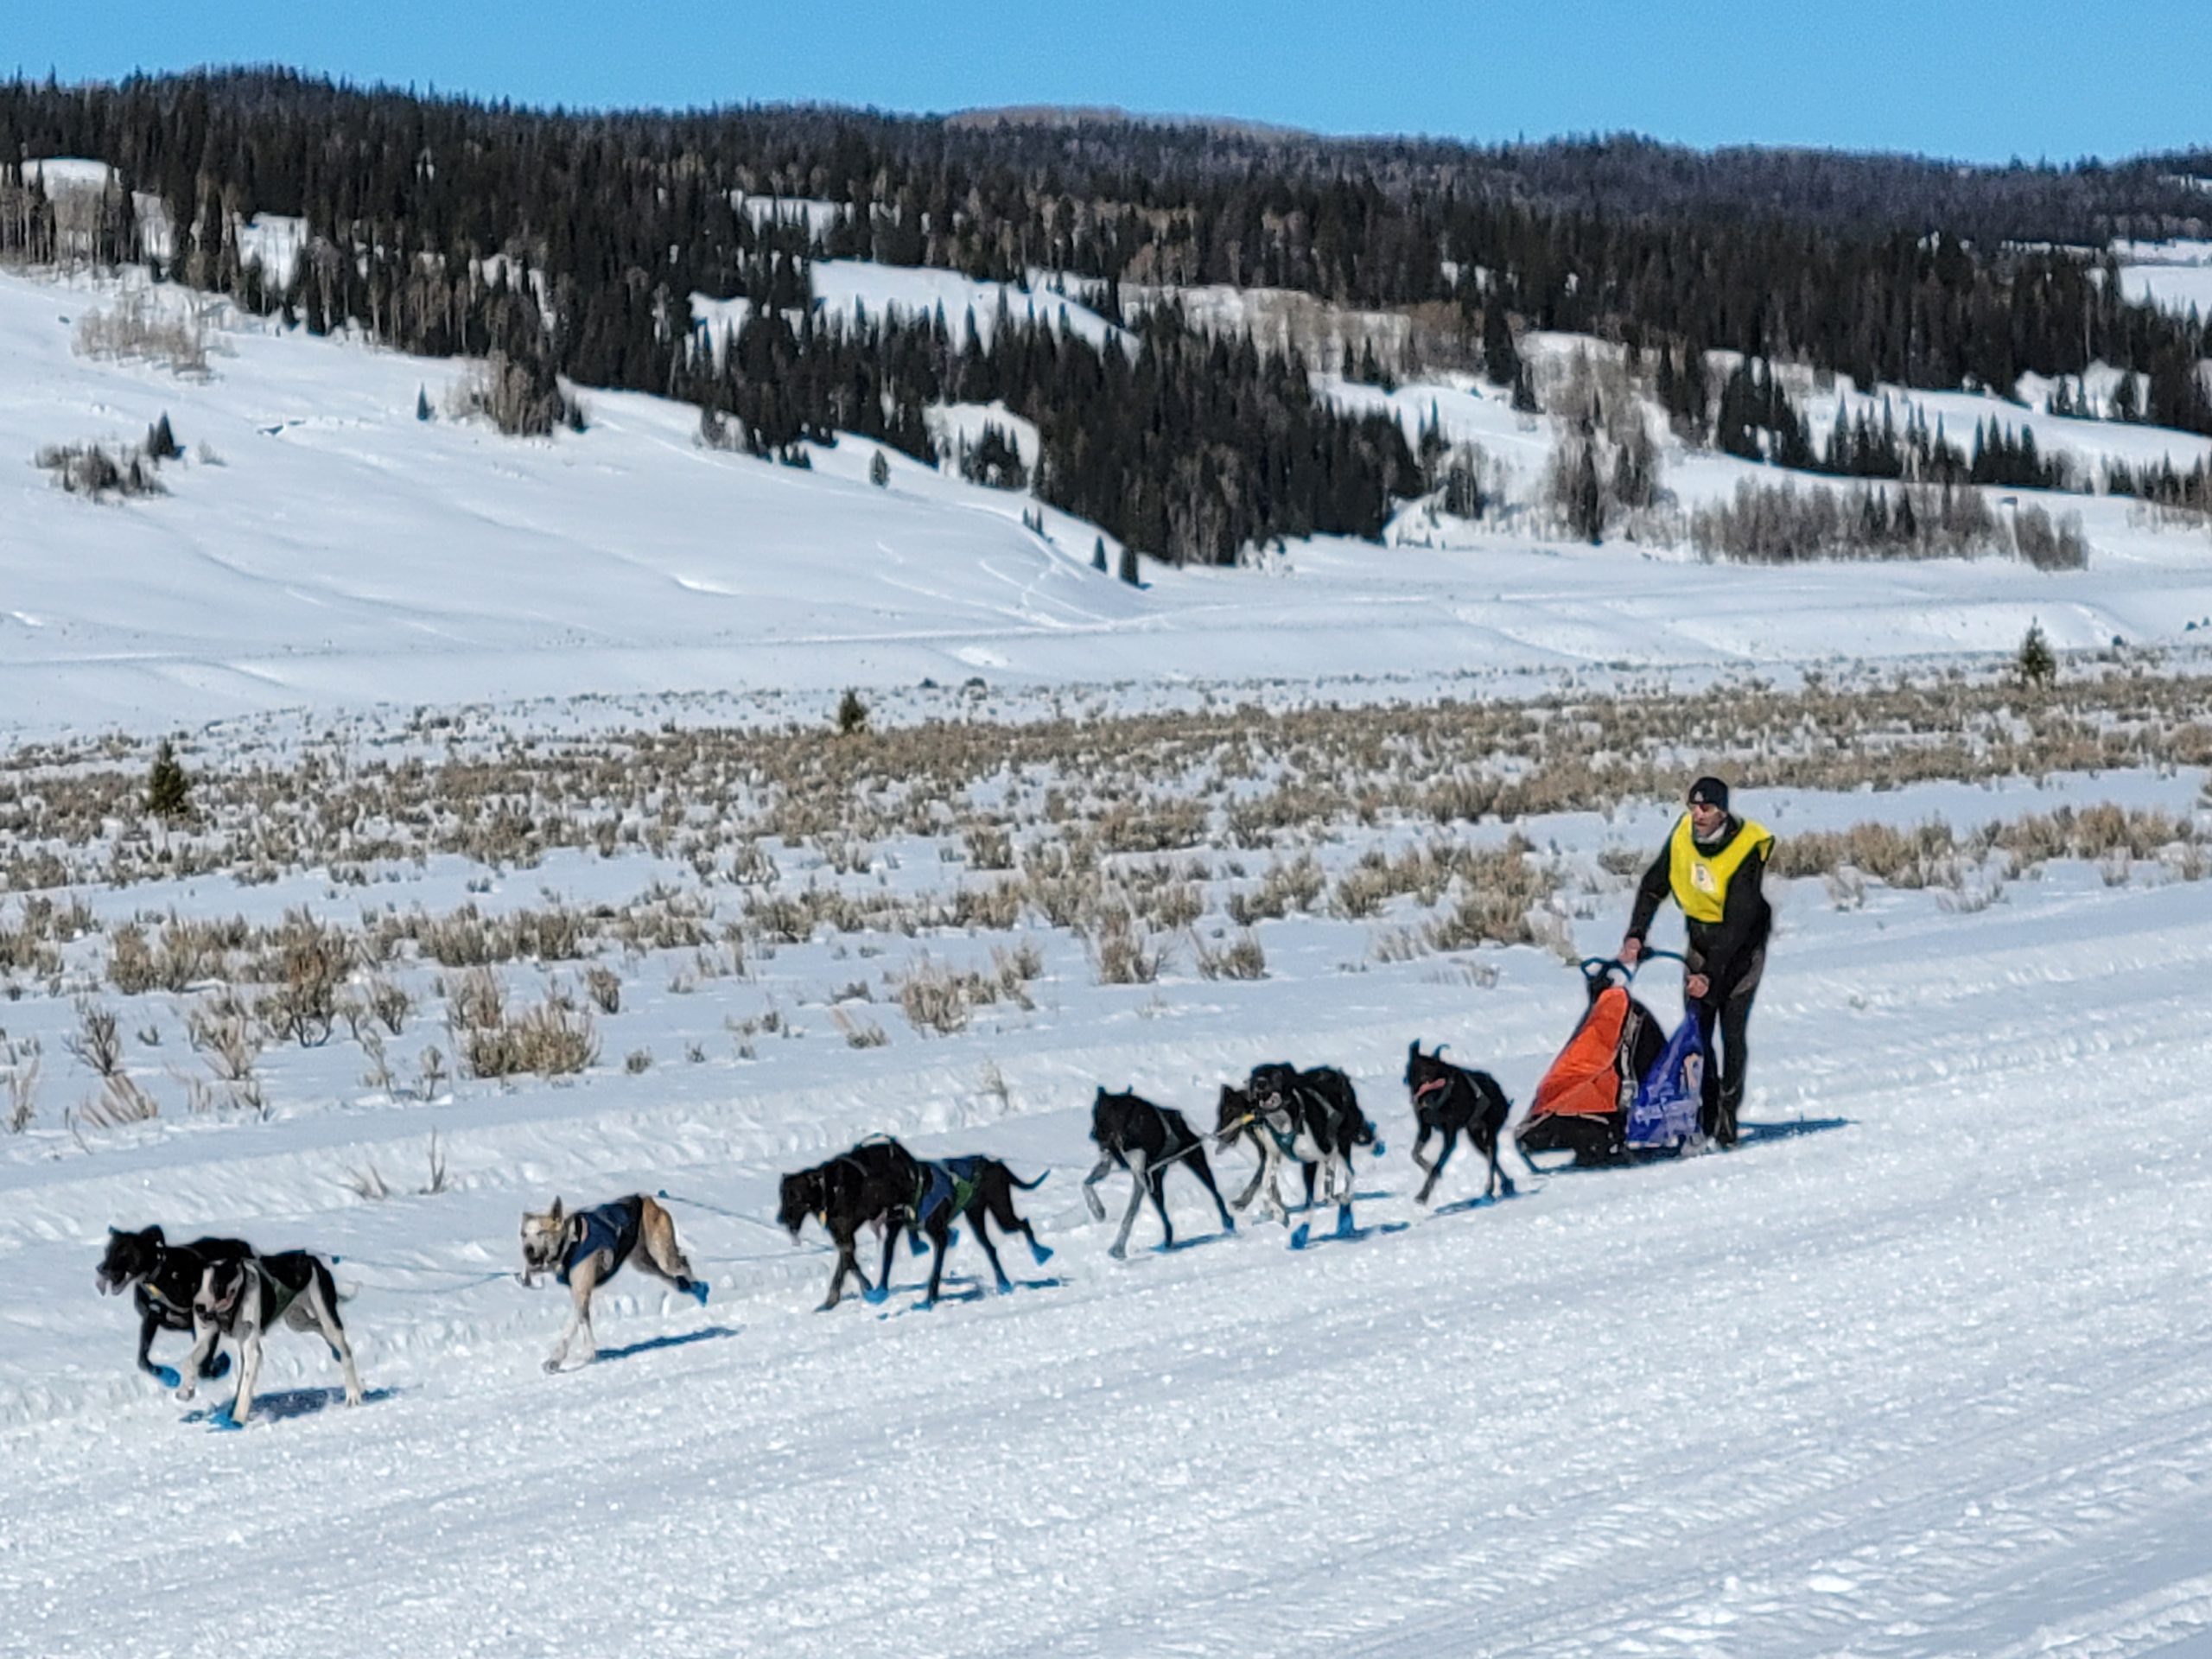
(1724, 950)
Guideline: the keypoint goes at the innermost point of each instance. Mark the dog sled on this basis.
(1623, 1088)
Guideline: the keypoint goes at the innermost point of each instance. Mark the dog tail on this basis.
(1028, 1186)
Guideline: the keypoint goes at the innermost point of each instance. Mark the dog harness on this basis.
(952, 1182)
(611, 1227)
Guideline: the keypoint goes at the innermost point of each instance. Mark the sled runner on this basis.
(1621, 1087)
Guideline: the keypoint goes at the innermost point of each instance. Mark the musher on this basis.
(1712, 865)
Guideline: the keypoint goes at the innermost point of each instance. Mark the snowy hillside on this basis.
(318, 543)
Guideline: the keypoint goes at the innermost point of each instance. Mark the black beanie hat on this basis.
(1709, 792)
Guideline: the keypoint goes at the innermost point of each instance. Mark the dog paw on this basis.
(698, 1291)
(218, 1367)
(221, 1418)
(1117, 1252)
(1042, 1253)
(168, 1377)
(552, 1368)
(875, 1298)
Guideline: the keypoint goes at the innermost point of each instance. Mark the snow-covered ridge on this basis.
(849, 290)
(319, 545)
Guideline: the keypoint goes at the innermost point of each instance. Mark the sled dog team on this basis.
(1711, 867)
(219, 1288)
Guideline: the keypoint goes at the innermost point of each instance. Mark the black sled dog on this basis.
(162, 1279)
(1147, 1141)
(1452, 1101)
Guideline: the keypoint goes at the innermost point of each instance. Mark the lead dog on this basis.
(162, 1279)
(242, 1298)
(583, 1248)
(1145, 1139)
(1451, 1101)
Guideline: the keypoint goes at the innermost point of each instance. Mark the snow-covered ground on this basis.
(1920, 1371)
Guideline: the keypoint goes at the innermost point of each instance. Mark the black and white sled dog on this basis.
(1147, 1141)
(1311, 1117)
(244, 1298)
(1452, 1101)
(584, 1249)
(162, 1279)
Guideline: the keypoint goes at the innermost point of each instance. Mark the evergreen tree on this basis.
(879, 471)
(1577, 489)
(1501, 359)
(168, 790)
(852, 714)
(1635, 464)
(1098, 554)
(422, 404)
(1130, 573)
(2037, 663)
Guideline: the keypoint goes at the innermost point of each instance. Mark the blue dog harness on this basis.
(612, 1227)
(952, 1182)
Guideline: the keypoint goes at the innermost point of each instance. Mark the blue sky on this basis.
(1976, 80)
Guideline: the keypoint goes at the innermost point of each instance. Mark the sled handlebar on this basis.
(1593, 966)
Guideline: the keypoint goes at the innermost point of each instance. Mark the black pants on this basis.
(1725, 1061)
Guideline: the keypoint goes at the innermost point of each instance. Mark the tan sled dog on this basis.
(583, 1248)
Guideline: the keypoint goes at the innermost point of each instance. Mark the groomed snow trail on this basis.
(1920, 1371)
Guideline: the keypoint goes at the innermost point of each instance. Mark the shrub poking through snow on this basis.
(88, 469)
(133, 330)
(524, 400)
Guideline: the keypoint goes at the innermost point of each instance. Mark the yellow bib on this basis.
(1700, 880)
